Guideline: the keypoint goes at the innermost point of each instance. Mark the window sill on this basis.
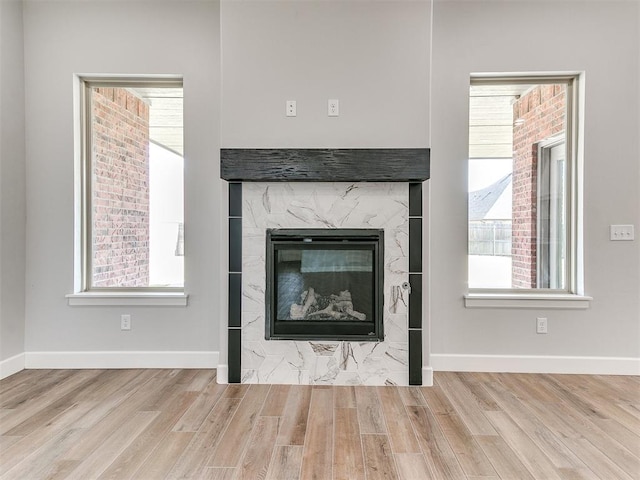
(143, 299)
(530, 300)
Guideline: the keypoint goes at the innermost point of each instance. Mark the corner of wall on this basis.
(12, 189)
(12, 365)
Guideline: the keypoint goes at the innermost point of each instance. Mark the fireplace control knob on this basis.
(406, 286)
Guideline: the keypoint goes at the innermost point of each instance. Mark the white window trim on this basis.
(574, 297)
(141, 299)
(82, 295)
(526, 300)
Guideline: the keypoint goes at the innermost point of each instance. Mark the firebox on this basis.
(324, 284)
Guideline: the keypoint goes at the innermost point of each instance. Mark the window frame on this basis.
(84, 292)
(546, 250)
(573, 295)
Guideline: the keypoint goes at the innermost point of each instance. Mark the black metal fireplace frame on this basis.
(358, 331)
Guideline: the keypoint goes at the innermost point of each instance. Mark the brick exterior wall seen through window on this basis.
(538, 115)
(120, 189)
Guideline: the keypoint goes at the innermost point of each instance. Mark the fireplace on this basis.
(297, 194)
(324, 284)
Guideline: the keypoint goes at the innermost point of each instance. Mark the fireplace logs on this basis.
(320, 307)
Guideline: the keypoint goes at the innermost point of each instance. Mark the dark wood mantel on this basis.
(324, 165)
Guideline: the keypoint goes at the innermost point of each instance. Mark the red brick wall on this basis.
(120, 189)
(543, 112)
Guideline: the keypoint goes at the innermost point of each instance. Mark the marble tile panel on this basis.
(397, 356)
(396, 378)
(252, 355)
(324, 349)
(252, 296)
(275, 369)
(253, 326)
(395, 328)
(396, 265)
(279, 347)
(348, 357)
(324, 205)
(300, 355)
(397, 242)
(253, 242)
(253, 266)
(372, 349)
(249, 376)
(374, 366)
(326, 370)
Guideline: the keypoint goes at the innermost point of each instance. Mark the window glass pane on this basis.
(136, 192)
(517, 186)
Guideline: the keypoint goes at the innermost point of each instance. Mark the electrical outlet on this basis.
(292, 109)
(125, 322)
(541, 325)
(333, 108)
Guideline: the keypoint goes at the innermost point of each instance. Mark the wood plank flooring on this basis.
(172, 424)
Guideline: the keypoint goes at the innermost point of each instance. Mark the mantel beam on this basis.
(324, 165)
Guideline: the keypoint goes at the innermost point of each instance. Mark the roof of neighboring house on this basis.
(481, 201)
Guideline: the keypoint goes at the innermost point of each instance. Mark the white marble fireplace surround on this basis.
(324, 205)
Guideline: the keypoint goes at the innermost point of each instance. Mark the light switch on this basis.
(621, 232)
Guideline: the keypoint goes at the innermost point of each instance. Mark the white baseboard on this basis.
(172, 359)
(222, 375)
(536, 364)
(439, 362)
(427, 376)
(11, 365)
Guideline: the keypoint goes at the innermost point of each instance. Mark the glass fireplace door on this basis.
(324, 285)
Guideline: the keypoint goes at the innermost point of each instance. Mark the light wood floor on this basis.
(165, 424)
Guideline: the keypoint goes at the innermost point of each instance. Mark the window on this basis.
(523, 195)
(132, 185)
(551, 213)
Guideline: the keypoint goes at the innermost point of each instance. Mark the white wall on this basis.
(600, 38)
(107, 37)
(12, 182)
(371, 56)
(374, 57)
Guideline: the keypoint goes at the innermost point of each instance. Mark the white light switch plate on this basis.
(621, 232)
